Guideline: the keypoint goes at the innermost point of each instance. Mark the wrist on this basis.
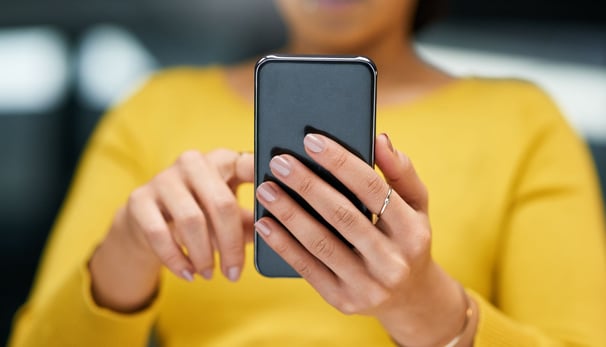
(433, 314)
(124, 274)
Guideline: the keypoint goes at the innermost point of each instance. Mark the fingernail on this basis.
(266, 192)
(280, 165)
(314, 143)
(233, 273)
(262, 228)
(389, 143)
(187, 276)
(207, 274)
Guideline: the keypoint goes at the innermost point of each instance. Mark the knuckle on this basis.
(153, 233)
(188, 156)
(233, 249)
(323, 247)
(346, 307)
(191, 221)
(281, 247)
(163, 177)
(137, 195)
(420, 246)
(334, 299)
(221, 158)
(344, 217)
(221, 152)
(340, 159)
(397, 275)
(288, 216)
(375, 242)
(377, 297)
(425, 238)
(305, 185)
(171, 259)
(303, 268)
(226, 205)
(375, 184)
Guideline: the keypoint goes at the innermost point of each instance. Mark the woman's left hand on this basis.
(389, 273)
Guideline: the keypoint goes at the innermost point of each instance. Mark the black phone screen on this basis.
(297, 95)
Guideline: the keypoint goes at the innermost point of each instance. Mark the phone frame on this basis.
(306, 59)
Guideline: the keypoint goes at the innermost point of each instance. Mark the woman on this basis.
(515, 216)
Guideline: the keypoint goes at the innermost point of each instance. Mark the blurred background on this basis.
(63, 62)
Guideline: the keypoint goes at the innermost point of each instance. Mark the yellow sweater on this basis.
(514, 205)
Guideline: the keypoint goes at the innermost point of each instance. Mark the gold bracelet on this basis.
(468, 315)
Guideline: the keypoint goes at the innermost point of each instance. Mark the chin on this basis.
(342, 26)
(337, 46)
(337, 40)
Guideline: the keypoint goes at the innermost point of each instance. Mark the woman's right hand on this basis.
(178, 220)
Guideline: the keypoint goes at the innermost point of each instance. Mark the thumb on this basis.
(244, 167)
(400, 174)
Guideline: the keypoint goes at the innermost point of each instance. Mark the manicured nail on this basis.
(314, 143)
(266, 192)
(262, 228)
(187, 276)
(207, 274)
(280, 165)
(233, 273)
(388, 142)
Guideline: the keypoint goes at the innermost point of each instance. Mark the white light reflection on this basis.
(579, 90)
(34, 70)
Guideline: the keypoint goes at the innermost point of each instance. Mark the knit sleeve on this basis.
(60, 310)
(551, 274)
(70, 317)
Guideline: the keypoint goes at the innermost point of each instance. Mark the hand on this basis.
(390, 273)
(177, 220)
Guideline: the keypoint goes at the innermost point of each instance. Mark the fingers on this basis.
(244, 168)
(188, 219)
(350, 289)
(234, 168)
(361, 179)
(335, 208)
(405, 216)
(145, 214)
(220, 206)
(386, 260)
(322, 243)
(400, 173)
(373, 274)
(308, 266)
(189, 210)
(382, 258)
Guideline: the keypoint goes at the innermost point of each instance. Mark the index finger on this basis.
(235, 168)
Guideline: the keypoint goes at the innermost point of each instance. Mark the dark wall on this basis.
(583, 11)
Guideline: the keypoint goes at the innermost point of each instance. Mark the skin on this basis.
(191, 204)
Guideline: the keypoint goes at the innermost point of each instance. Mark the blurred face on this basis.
(345, 26)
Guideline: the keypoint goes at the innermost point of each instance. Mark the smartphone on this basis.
(296, 95)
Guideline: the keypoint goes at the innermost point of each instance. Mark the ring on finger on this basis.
(384, 207)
